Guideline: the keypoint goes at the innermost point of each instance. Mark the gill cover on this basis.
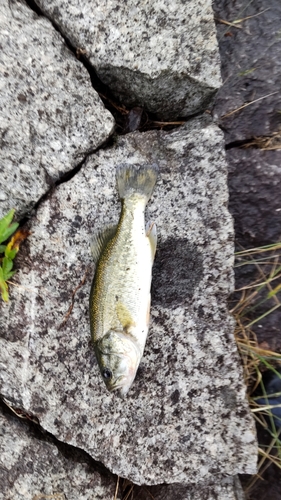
(118, 357)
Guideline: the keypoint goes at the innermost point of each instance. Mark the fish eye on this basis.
(106, 373)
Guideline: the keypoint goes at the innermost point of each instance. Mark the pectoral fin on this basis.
(124, 316)
(100, 240)
(151, 233)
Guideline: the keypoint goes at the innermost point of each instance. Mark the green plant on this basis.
(9, 251)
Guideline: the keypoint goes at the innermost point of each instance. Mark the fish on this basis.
(120, 292)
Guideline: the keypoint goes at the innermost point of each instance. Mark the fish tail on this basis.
(139, 179)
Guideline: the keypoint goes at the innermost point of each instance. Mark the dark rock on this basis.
(251, 68)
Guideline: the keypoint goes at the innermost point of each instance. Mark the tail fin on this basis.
(136, 179)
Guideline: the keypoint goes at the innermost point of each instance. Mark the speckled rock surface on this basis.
(186, 417)
(251, 68)
(33, 468)
(162, 55)
(50, 115)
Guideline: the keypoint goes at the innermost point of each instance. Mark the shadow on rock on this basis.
(177, 270)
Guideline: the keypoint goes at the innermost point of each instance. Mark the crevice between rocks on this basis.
(63, 178)
(33, 427)
(240, 144)
(127, 120)
(96, 82)
(265, 143)
(125, 489)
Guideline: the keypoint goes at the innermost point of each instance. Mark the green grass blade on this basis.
(263, 316)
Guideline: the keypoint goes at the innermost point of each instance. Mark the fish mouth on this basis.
(117, 385)
(120, 386)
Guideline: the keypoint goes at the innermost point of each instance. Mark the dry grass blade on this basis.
(255, 302)
(223, 21)
(151, 496)
(237, 21)
(19, 412)
(267, 143)
(165, 124)
(247, 104)
(117, 488)
(250, 17)
(121, 108)
(261, 283)
(127, 489)
(259, 250)
(129, 493)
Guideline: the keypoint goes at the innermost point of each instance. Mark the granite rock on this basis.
(186, 418)
(51, 117)
(61, 472)
(163, 56)
(34, 468)
(251, 68)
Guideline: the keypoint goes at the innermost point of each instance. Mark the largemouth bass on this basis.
(120, 294)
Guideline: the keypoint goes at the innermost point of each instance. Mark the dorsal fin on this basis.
(100, 240)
